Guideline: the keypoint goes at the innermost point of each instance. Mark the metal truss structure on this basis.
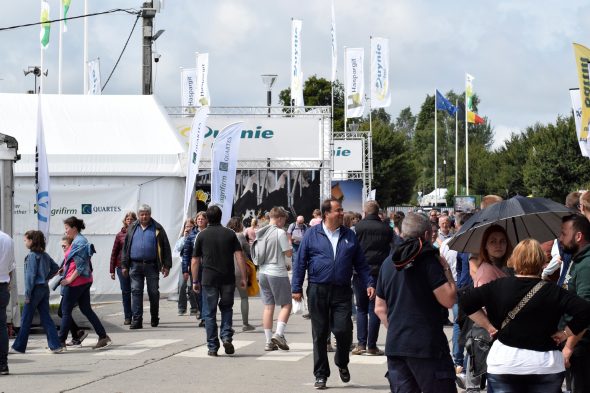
(366, 175)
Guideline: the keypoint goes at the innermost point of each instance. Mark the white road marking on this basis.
(136, 347)
(201, 352)
(364, 359)
(296, 352)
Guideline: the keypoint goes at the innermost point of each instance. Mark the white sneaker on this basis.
(280, 342)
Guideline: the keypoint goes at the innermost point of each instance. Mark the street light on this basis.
(269, 80)
(36, 71)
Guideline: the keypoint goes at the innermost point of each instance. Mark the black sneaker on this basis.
(229, 347)
(4, 369)
(136, 324)
(155, 321)
(320, 383)
(212, 353)
(344, 374)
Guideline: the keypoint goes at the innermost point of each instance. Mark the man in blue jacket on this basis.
(328, 253)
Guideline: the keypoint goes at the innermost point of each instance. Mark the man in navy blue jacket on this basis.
(328, 253)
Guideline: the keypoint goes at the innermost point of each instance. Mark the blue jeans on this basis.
(183, 296)
(39, 301)
(4, 301)
(81, 295)
(213, 296)
(414, 375)
(139, 272)
(125, 284)
(458, 356)
(534, 383)
(367, 323)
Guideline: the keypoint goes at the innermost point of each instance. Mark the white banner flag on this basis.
(224, 162)
(334, 45)
(372, 195)
(203, 98)
(43, 198)
(296, 73)
(94, 77)
(355, 84)
(380, 92)
(196, 137)
(577, 108)
(188, 83)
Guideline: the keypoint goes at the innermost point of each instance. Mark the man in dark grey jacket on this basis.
(375, 239)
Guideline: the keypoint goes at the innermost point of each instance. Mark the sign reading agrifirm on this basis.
(262, 138)
(348, 155)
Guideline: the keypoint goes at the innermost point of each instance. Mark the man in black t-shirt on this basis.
(215, 248)
(412, 292)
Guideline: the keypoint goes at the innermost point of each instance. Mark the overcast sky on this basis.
(520, 52)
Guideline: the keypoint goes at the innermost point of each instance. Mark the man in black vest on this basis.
(375, 239)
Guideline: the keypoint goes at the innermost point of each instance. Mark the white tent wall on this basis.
(106, 200)
(106, 155)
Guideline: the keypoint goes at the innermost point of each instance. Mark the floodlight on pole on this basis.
(269, 80)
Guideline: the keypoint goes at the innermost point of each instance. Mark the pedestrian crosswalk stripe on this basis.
(364, 359)
(296, 352)
(137, 347)
(201, 351)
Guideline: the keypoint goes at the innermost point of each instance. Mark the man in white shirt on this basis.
(7, 265)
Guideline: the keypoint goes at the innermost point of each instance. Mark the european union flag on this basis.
(443, 104)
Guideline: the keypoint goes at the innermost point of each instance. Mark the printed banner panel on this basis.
(348, 155)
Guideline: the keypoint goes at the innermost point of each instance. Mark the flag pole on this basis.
(457, 147)
(85, 57)
(466, 147)
(435, 151)
(60, 49)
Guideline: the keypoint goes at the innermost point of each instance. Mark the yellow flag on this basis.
(582, 63)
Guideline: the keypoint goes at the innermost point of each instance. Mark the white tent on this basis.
(106, 155)
(436, 198)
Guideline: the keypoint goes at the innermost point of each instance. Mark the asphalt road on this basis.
(173, 358)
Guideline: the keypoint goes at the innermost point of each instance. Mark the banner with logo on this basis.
(380, 90)
(202, 98)
(355, 84)
(94, 86)
(223, 168)
(262, 137)
(188, 85)
(195, 149)
(582, 55)
(42, 195)
(102, 207)
(469, 93)
(348, 155)
(296, 73)
(577, 108)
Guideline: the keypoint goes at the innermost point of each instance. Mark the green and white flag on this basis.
(45, 25)
(66, 6)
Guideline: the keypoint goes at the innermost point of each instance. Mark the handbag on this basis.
(479, 342)
(253, 288)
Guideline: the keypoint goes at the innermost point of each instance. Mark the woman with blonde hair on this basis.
(523, 312)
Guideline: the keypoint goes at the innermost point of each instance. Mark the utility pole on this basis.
(147, 13)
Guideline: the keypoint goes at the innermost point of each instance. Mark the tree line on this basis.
(543, 160)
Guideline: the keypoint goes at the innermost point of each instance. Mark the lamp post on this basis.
(36, 71)
(269, 80)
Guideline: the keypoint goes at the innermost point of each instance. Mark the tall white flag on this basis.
(355, 83)
(334, 45)
(94, 77)
(43, 197)
(188, 85)
(224, 161)
(296, 72)
(196, 137)
(203, 98)
(577, 108)
(380, 91)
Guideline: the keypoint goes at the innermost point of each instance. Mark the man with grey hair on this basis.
(413, 295)
(146, 253)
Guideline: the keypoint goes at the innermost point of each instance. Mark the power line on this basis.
(128, 10)
(122, 51)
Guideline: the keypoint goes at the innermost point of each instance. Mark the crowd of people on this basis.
(520, 312)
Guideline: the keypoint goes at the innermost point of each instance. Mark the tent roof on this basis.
(93, 135)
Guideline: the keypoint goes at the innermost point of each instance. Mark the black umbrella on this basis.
(521, 217)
